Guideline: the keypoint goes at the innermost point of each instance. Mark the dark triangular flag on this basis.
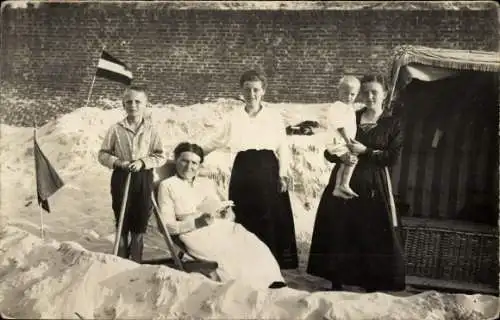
(113, 69)
(47, 179)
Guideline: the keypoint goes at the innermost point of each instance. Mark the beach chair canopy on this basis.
(448, 101)
(431, 64)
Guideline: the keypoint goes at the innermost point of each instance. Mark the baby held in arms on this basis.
(342, 125)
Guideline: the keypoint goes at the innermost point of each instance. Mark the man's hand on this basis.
(122, 164)
(136, 166)
(204, 220)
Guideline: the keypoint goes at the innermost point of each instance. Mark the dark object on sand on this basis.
(304, 128)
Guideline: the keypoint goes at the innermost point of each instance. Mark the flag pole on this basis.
(36, 182)
(122, 215)
(93, 79)
(42, 230)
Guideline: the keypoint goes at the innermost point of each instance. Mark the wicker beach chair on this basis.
(445, 175)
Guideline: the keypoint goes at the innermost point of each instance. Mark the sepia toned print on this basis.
(411, 231)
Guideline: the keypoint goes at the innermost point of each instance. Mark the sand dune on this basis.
(71, 270)
(48, 279)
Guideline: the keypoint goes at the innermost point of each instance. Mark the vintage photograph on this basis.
(249, 160)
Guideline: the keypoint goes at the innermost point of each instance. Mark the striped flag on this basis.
(113, 69)
(47, 179)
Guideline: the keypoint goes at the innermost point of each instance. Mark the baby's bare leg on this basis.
(338, 191)
(345, 180)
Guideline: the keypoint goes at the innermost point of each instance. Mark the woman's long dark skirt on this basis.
(139, 202)
(354, 241)
(260, 206)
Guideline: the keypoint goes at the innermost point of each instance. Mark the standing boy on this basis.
(133, 146)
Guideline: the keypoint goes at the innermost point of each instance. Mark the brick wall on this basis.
(185, 56)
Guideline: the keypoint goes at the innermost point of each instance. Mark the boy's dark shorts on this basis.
(139, 203)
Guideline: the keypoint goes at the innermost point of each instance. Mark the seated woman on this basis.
(192, 208)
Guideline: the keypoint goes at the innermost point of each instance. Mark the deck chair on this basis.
(180, 258)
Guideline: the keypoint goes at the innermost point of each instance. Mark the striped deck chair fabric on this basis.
(448, 166)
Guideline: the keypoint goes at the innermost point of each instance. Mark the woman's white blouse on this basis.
(178, 201)
(265, 131)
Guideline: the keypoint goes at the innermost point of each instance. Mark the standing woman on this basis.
(258, 184)
(355, 241)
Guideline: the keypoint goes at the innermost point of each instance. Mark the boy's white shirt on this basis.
(124, 143)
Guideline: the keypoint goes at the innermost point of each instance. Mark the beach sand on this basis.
(72, 269)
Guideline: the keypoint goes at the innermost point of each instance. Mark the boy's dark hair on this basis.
(191, 147)
(375, 78)
(253, 75)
